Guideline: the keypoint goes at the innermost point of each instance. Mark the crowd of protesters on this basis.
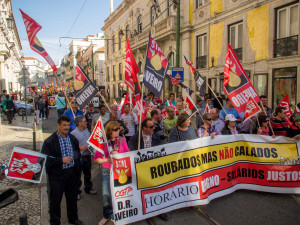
(166, 122)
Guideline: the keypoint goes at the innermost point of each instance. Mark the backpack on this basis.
(10, 105)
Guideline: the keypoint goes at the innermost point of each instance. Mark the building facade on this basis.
(263, 34)
(10, 47)
(36, 71)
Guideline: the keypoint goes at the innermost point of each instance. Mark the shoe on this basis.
(92, 192)
(102, 221)
(9, 122)
(77, 222)
(164, 217)
(78, 197)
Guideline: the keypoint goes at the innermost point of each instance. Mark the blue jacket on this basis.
(70, 114)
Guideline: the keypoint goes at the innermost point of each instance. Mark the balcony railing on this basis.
(286, 46)
(239, 53)
(201, 62)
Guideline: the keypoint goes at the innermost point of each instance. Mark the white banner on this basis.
(157, 180)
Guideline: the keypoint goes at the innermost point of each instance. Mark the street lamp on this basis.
(25, 79)
(10, 22)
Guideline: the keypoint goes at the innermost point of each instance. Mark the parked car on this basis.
(20, 107)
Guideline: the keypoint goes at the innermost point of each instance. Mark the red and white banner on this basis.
(251, 109)
(98, 137)
(164, 114)
(32, 28)
(237, 85)
(26, 165)
(207, 109)
(51, 100)
(141, 108)
(286, 104)
(170, 104)
(189, 105)
(157, 180)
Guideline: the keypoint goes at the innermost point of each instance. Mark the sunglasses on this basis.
(265, 121)
(151, 127)
(73, 102)
(117, 129)
(209, 119)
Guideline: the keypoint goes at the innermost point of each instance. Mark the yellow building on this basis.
(263, 34)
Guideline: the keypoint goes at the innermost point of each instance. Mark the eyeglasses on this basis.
(151, 127)
(117, 129)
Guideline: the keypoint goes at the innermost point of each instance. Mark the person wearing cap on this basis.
(294, 130)
(207, 129)
(230, 128)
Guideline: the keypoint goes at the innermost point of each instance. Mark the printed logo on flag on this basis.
(51, 100)
(122, 172)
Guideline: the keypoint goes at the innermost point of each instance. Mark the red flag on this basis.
(164, 114)
(189, 105)
(237, 85)
(131, 71)
(98, 137)
(207, 109)
(141, 108)
(172, 80)
(32, 28)
(251, 109)
(285, 103)
(128, 100)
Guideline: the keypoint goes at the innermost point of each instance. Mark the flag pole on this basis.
(216, 98)
(267, 116)
(141, 112)
(104, 100)
(68, 102)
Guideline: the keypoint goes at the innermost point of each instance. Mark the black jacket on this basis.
(54, 164)
(134, 140)
(226, 131)
(293, 131)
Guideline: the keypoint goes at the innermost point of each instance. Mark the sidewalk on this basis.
(20, 134)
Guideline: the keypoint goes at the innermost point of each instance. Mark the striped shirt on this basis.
(82, 137)
(280, 127)
(66, 149)
(131, 122)
(210, 130)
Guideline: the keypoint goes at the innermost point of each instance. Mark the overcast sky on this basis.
(57, 18)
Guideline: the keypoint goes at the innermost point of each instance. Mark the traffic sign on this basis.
(178, 73)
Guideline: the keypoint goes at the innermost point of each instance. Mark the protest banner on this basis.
(237, 85)
(85, 90)
(51, 100)
(160, 179)
(26, 165)
(156, 67)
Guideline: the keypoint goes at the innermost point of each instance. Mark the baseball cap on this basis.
(230, 117)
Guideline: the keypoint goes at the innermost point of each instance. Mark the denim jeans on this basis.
(106, 194)
(42, 113)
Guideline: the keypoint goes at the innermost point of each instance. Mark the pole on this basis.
(141, 112)
(25, 104)
(267, 116)
(216, 98)
(178, 33)
(104, 100)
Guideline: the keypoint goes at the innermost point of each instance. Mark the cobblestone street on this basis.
(19, 133)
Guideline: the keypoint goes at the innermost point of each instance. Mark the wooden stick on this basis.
(257, 121)
(104, 100)
(140, 125)
(68, 102)
(216, 98)
(267, 116)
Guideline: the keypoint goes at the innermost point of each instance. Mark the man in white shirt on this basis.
(130, 120)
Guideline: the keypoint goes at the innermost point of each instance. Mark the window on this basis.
(114, 73)
(153, 15)
(139, 24)
(140, 67)
(284, 82)
(114, 91)
(127, 32)
(201, 60)
(200, 3)
(113, 43)
(236, 39)
(260, 83)
(120, 71)
(171, 59)
(287, 29)
(107, 74)
(213, 84)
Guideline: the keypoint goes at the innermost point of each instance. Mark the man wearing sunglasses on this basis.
(279, 124)
(76, 111)
(148, 138)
